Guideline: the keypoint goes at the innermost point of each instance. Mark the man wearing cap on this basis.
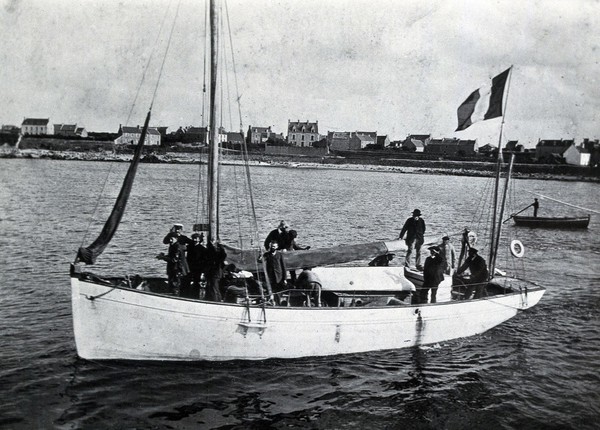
(479, 274)
(177, 229)
(279, 235)
(414, 227)
(433, 274)
(196, 258)
(448, 254)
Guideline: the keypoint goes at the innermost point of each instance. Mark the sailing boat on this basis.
(115, 318)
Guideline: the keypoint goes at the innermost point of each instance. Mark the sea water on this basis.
(538, 370)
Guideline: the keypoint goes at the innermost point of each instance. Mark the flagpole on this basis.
(493, 241)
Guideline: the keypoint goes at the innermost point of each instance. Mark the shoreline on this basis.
(329, 163)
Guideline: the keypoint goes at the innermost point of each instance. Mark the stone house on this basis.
(257, 135)
(552, 149)
(36, 126)
(303, 134)
(128, 135)
(452, 147)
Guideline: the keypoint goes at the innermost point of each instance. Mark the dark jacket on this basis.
(433, 272)
(275, 267)
(414, 229)
(197, 256)
(176, 261)
(280, 236)
(478, 268)
(215, 260)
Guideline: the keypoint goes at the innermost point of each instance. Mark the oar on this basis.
(522, 210)
(564, 203)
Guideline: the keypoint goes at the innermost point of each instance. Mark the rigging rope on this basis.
(137, 93)
(561, 202)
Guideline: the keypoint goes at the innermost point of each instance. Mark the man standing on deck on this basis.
(275, 269)
(536, 206)
(433, 275)
(414, 227)
(279, 235)
(177, 267)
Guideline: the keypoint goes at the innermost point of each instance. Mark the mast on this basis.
(213, 157)
(502, 206)
(495, 220)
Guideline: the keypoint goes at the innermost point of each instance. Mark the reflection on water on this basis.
(540, 369)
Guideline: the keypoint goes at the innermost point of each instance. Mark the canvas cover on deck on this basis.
(248, 259)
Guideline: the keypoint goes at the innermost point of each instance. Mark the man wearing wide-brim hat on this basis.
(414, 227)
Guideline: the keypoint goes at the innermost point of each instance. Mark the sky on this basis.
(397, 67)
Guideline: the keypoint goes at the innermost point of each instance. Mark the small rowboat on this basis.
(552, 222)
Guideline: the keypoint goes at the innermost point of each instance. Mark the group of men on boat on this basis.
(442, 260)
(193, 267)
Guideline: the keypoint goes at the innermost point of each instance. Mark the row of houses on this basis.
(42, 126)
(306, 134)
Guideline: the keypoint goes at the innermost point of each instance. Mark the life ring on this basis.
(517, 249)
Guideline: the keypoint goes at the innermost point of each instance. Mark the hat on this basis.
(446, 237)
(178, 226)
(416, 212)
(200, 235)
(435, 249)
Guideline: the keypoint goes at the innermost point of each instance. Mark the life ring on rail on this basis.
(517, 249)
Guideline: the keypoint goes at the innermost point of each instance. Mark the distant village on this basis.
(304, 138)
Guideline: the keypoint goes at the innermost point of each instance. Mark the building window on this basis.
(312, 138)
(302, 137)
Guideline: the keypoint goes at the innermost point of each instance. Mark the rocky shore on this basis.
(446, 167)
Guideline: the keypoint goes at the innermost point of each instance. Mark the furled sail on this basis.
(88, 255)
(247, 259)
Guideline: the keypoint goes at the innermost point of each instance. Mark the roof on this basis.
(138, 130)
(68, 128)
(372, 134)
(582, 149)
(452, 142)
(36, 121)
(303, 127)
(260, 129)
(364, 137)
(235, 136)
(421, 137)
(196, 130)
(556, 143)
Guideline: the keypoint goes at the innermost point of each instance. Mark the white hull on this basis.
(136, 325)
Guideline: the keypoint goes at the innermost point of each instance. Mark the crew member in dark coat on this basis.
(536, 206)
(279, 235)
(177, 267)
(433, 274)
(196, 258)
(479, 274)
(275, 269)
(414, 227)
(215, 260)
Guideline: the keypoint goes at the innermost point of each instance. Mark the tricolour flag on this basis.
(483, 103)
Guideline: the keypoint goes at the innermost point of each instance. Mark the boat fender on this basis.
(517, 249)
